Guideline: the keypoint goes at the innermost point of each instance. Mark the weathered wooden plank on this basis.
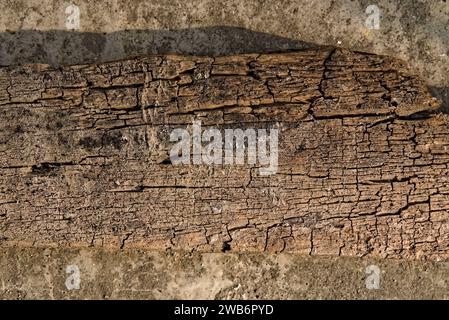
(362, 164)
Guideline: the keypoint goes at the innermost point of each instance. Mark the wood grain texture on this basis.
(363, 156)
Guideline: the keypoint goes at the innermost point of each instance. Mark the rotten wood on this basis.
(363, 156)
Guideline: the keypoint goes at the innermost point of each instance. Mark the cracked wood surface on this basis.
(363, 156)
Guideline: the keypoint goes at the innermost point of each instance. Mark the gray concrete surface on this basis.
(42, 273)
(36, 31)
(414, 30)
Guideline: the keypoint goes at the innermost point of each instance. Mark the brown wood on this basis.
(363, 156)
